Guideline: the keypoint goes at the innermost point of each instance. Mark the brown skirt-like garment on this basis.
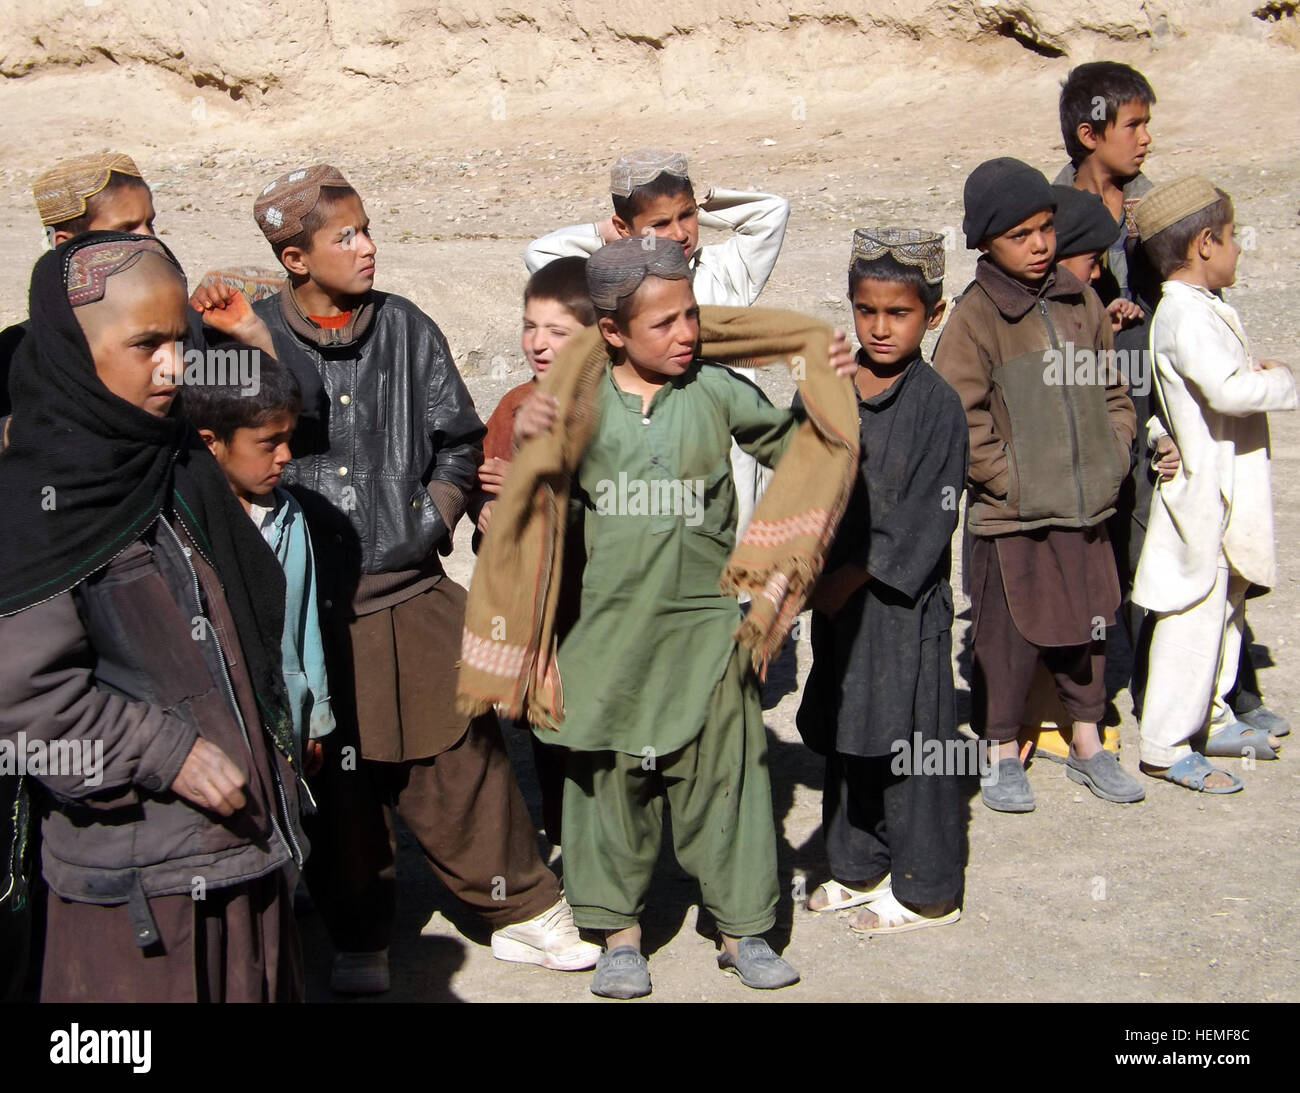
(237, 944)
(397, 689)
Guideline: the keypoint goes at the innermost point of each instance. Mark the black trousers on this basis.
(879, 822)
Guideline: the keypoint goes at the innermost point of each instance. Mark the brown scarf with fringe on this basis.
(509, 646)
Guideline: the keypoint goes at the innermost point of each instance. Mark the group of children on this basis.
(238, 593)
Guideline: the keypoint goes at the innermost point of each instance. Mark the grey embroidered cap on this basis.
(910, 246)
(618, 268)
(644, 165)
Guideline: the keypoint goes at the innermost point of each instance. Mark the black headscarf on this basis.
(86, 473)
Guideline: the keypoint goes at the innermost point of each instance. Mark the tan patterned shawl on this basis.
(508, 653)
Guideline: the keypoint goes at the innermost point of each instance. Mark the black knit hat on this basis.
(999, 194)
(1083, 223)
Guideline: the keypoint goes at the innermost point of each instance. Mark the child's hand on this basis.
(222, 307)
(484, 517)
(492, 474)
(832, 592)
(842, 358)
(605, 228)
(210, 780)
(1168, 458)
(536, 414)
(1266, 365)
(1123, 313)
(313, 757)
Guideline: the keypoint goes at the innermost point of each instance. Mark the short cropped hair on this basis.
(889, 268)
(226, 406)
(117, 181)
(663, 184)
(315, 217)
(565, 281)
(1091, 85)
(1167, 249)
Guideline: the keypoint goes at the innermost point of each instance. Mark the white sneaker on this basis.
(360, 973)
(551, 940)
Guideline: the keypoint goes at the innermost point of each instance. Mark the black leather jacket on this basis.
(384, 412)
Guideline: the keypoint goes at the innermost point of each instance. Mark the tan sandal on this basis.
(849, 897)
(893, 918)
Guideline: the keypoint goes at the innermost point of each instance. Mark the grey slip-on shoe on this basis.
(622, 973)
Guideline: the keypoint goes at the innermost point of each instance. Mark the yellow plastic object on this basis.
(1047, 726)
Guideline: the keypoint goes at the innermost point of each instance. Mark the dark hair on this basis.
(117, 181)
(315, 217)
(663, 184)
(1109, 81)
(889, 268)
(622, 314)
(564, 281)
(1167, 249)
(223, 406)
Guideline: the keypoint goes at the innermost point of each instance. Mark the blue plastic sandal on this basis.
(1238, 740)
(1191, 771)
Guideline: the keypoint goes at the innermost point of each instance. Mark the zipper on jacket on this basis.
(290, 842)
(1069, 409)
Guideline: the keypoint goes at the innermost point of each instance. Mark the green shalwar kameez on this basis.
(659, 701)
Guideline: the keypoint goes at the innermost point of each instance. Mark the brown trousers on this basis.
(464, 808)
(1005, 662)
(237, 944)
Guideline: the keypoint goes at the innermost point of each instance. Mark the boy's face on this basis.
(134, 333)
(674, 217)
(548, 325)
(341, 259)
(126, 209)
(1121, 147)
(255, 456)
(890, 320)
(1221, 257)
(1086, 267)
(1026, 250)
(663, 329)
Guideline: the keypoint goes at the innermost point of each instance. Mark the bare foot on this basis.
(1216, 779)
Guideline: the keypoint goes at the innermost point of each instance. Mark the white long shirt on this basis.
(1221, 498)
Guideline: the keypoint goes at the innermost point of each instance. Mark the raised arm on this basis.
(575, 241)
(741, 265)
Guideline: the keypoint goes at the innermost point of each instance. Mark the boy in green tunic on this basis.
(660, 517)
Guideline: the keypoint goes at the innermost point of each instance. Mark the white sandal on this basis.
(893, 918)
(854, 898)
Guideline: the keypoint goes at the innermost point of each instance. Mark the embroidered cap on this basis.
(62, 191)
(282, 204)
(618, 268)
(642, 166)
(908, 246)
(1168, 203)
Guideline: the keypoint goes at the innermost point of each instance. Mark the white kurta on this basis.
(1221, 498)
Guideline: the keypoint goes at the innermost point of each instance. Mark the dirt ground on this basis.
(1183, 897)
